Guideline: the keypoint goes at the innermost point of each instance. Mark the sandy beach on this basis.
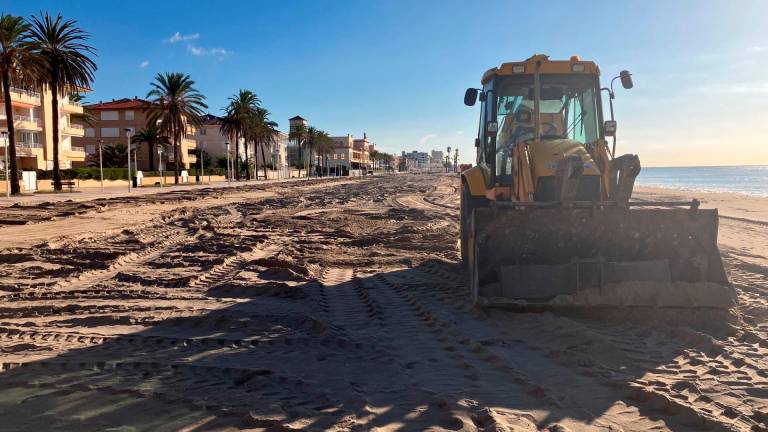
(341, 305)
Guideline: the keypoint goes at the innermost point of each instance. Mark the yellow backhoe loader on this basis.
(546, 216)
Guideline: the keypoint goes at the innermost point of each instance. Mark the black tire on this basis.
(468, 204)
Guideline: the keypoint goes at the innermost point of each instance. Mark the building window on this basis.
(109, 115)
(129, 115)
(203, 131)
(90, 148)
(90, 132)
(110, 132)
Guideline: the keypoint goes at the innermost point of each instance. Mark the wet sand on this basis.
(336, 305)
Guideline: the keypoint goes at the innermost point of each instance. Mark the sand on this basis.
(338, 305)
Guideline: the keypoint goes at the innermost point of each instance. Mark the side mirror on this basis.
(491, 128)
(609, 128)
(477, 142)
(626, 79)
(470, 96)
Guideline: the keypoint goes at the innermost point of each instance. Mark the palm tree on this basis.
(313, 134)
(298, 134)
(240, 108)
(152, 136)
(250, 128)
(324, 147)
(16, 65)
(265, 134)
(113, 156)
(63, 64)
(175, 103)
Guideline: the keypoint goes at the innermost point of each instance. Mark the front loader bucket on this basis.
(595, 256)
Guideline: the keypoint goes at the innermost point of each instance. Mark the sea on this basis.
(746, 179)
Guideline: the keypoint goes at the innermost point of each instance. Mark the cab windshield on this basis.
(568, 109)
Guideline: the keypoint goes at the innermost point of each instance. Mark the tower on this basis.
(296, 121)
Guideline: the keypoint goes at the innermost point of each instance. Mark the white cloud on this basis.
(423, 141)
(178, 37)
(201, 52)
(144, 64)
(193, 48)
(757, 49)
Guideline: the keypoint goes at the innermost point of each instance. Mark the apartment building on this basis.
(109, 124)
(340, 161)
(33, 122)
(210, 139)
(279, 151)
(420, 159)
(361, 153)
(350, 153)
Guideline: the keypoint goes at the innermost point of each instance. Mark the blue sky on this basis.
(397, 70)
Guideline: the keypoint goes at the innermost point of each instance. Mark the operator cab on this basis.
(552, 108)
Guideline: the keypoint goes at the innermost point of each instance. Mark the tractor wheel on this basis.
(468, 204)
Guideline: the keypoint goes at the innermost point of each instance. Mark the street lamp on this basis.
(128, 137)
(229, 175)
(101, 166)
(160, 163)
(7, 179)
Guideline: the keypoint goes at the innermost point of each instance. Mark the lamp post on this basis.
(229, 176)
(101, 166)
(160, 164)
(7, 179)
(128, 137)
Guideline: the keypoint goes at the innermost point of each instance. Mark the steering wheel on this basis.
(551, 130)
(519, 132)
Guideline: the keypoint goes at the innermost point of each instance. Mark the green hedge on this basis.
(86, 174)
(115, 173)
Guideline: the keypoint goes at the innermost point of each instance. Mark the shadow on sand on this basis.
(394, 350)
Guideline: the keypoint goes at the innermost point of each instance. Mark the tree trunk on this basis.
(176, 156)
(11, 146)
(255, 160)
(55, 111)
(237, 156)
(151, 154)
(264, 161)
(301, 159)
(309, 161)
(247, 165)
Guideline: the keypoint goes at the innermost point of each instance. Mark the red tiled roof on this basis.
(124, 103)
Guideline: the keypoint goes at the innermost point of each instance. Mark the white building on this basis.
(420, 159)
(279, 151)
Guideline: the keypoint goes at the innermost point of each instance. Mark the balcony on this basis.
(72, 107)
(23, 98)
(22, 122)
(74, 130)
(26, 149)
(75, 154)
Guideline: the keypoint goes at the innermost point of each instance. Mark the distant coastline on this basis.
(749, 180)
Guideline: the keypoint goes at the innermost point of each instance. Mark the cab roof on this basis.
(548, 66)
